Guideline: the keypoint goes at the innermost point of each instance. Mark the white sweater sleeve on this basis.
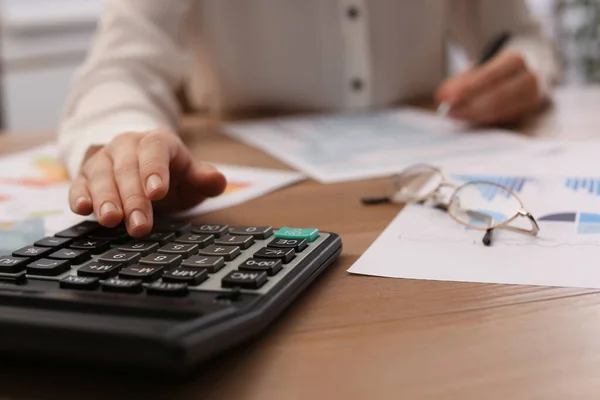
(129, 79)
(475, 23)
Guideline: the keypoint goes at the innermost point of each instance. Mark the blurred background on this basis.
(44, 41)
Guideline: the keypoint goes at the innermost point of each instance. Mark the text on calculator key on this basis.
(184, 249)
(284, 254)
(297, 244)
(10, 264)
(212, 264)
(99, 269)
(164, 260)
(79, 282)
(121, 257)
(94, 246)
(139, 246)
(53, 242)
(216, 230)
(191, 276)
(244, 279)
(48, 267)
(146, 273)
(202, 240)
(227, 252)
(242, 241)
(259, 232)
(123, 285)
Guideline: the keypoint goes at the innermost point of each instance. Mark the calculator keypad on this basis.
(176, 259)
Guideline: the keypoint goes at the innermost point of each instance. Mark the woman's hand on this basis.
(137, 174)
(503, 90)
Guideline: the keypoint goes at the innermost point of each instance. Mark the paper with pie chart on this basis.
(425, 243)
(34, 189)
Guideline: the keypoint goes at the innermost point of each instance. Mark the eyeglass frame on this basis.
(521, 212)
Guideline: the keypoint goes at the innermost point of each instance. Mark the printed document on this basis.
(426, 243)
(332, 148)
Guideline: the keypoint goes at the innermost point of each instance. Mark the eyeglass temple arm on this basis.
(533, 231)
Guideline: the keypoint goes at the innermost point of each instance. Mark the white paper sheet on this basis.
(34, 194)
(425, 243)
(333, 148)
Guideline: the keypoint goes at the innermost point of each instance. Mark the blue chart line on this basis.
(589, 185)
(489, 192)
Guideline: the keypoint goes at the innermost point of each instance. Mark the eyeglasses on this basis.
(479, 205)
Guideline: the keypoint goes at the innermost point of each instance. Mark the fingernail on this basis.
(137, 218)
(153, 182)
(107, 208)
(80, 200)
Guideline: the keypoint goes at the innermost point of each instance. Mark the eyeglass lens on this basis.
(483, 205)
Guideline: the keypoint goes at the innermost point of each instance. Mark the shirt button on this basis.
(352, 12)
(356, 84)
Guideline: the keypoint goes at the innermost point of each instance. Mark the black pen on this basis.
(489, 52)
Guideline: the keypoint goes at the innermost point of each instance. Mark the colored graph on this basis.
(48, 171)
(589, 185)
(587, 223)
(489, 192)
(233, 187)
(4, 198)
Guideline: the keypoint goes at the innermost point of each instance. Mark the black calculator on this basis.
(166, 302)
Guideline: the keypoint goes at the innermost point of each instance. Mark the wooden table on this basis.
(358, 337)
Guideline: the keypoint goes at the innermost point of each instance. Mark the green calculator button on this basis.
(296, 233)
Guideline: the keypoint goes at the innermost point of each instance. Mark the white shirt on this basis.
(309, 55)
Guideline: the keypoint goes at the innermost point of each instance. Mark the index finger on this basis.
(155, 152)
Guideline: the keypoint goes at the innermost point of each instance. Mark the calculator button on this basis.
(259, 232)
(18, 278)
(241, 241)
(191, 276)
(99, 269)
(172, 226)
(79, 282)
(32, 252)
(211, 264)
(296, 233)
(10, 264)
(167, 289)
(285, 255)
(192, 238)
(113, 235)
(53, 242)
(146, 273)
(139, 246)
(297, 244)
(94, 246)
(122, 285)
(244, 279)
(123, 257)
(47, 267)
(163, 260)
(271, 267)
(71, 255)
(216, 230)
(227, 252)
(161, 237)
(185, 250)
(82, 229)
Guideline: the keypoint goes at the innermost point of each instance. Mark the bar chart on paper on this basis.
(564, 253)
(591, 186)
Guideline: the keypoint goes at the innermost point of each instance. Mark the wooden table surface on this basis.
(359, 337)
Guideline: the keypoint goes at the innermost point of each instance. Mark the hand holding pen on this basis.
(499, 89)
